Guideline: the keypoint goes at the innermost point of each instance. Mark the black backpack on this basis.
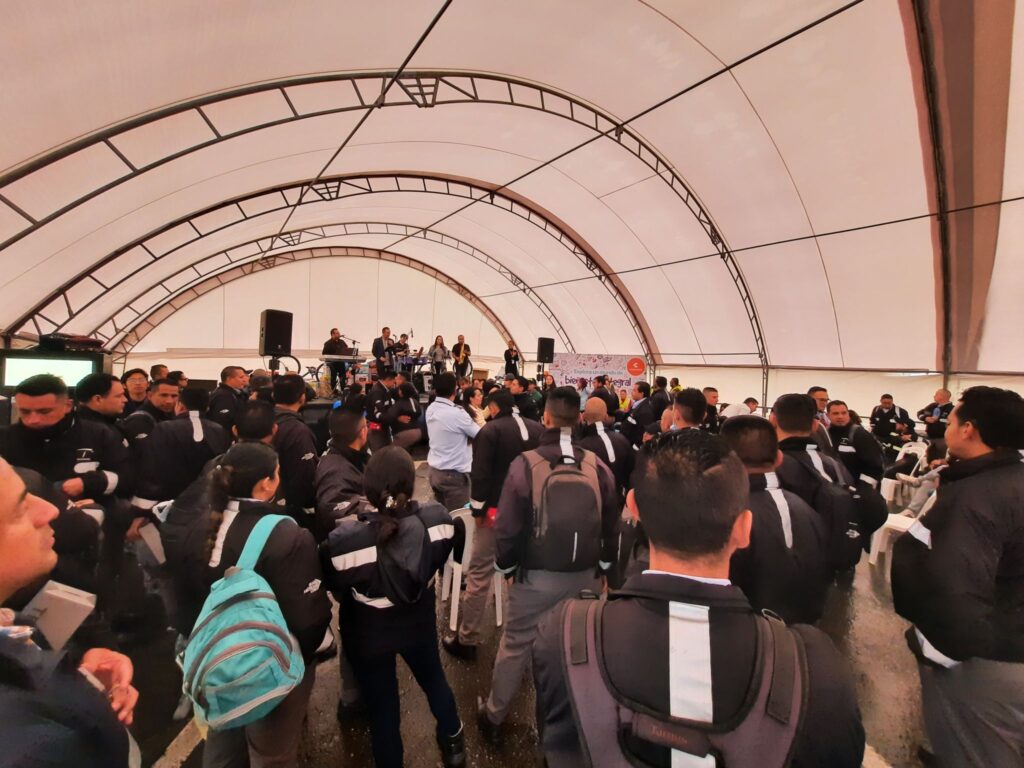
(566, 511)
(763, 738)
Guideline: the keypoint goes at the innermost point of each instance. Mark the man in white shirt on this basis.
(450, 459)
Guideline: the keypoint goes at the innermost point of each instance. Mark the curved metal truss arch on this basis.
(235, 256)
(65, 304)
(142, 326)
(359, 91)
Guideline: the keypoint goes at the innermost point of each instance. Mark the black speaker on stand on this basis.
(545, 355)
(275, 336)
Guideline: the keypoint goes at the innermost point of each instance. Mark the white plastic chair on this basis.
(893, 490)
(451, 578)
(881, 540)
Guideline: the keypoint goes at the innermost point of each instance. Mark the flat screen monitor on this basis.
(72, 367)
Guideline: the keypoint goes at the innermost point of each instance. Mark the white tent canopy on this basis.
(733, 184)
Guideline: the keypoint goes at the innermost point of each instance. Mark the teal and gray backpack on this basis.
(241, 660)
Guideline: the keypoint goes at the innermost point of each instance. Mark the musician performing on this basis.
(384, 352)
(336, 347)
(461, 352)
(438, 354)
(511, 359)
(405, 357)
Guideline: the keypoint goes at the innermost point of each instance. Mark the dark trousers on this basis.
(461, 368)
(379, 684)
(337, 375)
(437, 368)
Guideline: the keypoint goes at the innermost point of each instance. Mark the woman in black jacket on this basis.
(380, 566)
(241, 488)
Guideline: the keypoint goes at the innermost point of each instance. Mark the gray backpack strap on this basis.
(595, 711)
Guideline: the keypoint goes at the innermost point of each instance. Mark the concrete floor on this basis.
(858, 617)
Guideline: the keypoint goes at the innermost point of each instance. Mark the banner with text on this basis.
(623, 370)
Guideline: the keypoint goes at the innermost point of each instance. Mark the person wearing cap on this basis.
(506, 435)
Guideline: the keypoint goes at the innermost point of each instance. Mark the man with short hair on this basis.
(689, 409)
(383, 350)
(101, 398)
(857, 448)
(641, 414)
(751, 403)
(261, 387)
(595, 435)
(660, 398)
(339, 473)
(460, 356)
(336, 346)
(228, 396)
(158, 371)
(602, 391)
(683, 643)
(710, 422)
(450, 459)
(160, 406)
(550, 568)
(136, 385)
(892, 426)
(674, 385)
(784, 569)
(958, 576)
(935, 415)
(296, 449)
(803, 465)
(527, 408)
(378, 403)
(504, 437)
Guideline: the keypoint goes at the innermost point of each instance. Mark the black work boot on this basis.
(453, 749)
(490, 730)
(457, 648)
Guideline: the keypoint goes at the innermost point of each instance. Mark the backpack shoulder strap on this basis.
(257, 540)
(593, 708)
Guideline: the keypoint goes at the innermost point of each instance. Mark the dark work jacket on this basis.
(386, 593)
(403, 406)
(659, 402)
(171, 458)
(635, 647)
(711, 422)
(51, 716)
(797, 451)
(291, 565)
(966, 592)
(297, 452)
(624, 455)
(790, 577)
(224, 404)
(859, 451)
(514, 524)
(139, 425)
(495, 446)
(131, 406)
(883, 423)
(633, 423)
(339, 487)
(527, 407)
(610, 400)
(377, 403)
(74, 447)
(937, 430)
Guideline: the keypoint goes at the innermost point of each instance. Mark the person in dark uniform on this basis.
(892, 426)
(228, 395)
(784, 569)
(136, 386)
(711, 421)
(336, 346)
(641, 414)
(381, 565)
(101, 397)
(296, 448)
(378, 402)
(460, 357)
(794, 417)
(958, 575)
(857, 448)
(506, 435)
(935, 416)
(518, 386)
(680, 641)
(660, 398)
(511, 359)
(174, 455)
(384, 352)
(404, 416)
(241, 490)
(339, 475)
(51, 713)
(606, 393)
(614, 449)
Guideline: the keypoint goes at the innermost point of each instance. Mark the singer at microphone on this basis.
(336, 346)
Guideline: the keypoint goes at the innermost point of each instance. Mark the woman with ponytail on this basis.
(381, 565)
(240, 491)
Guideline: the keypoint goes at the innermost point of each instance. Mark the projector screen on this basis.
(71, 370)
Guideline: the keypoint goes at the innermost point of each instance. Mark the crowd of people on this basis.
(666, 556)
